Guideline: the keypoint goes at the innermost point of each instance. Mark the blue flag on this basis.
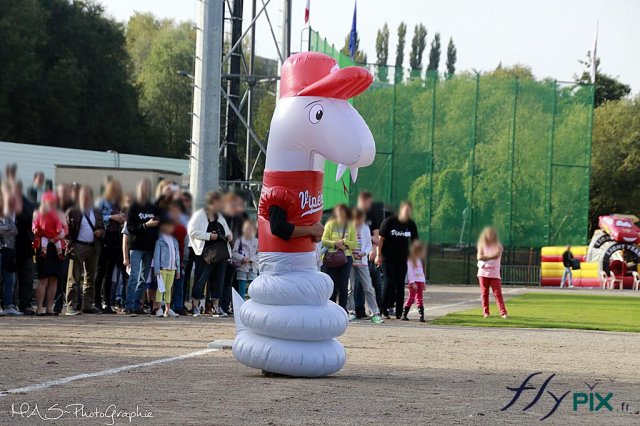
(353, 37)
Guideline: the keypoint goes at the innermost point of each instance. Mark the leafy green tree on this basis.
(382, 52)
(402, 33)
(608, 88)
(434, 54)
(73, 70)
(452, 57)
(418, 44)
(615, 175)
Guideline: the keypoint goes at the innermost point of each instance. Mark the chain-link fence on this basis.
(473, 150)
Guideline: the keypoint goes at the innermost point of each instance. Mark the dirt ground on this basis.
(396, 373)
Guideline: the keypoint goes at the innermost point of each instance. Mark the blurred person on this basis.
(209, 236)
(35, 192)
(48, 227)
(416, 279)
(50, 263)
(75, 193)
(113, 218)
(489, 254)
(187, 203)
(234, 212)
(8, 266)
(396, 234)
(166, 264)
(180, 234)
(245, 256)
(373, 219)
(24, 249)
(86, 229)
(340, 239)
(10, 172)
(360, 276)
(143, 219)
(63, 191)
(567, 262)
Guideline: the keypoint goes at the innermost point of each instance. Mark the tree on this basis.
(65, 78)
(608, 88)
(360, 57)
(382, 52)
(418, 44)
(615, 175)
(434, 54)
(452, 57)
(402, 33)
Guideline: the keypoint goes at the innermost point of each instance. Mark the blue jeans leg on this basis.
(567, 273)
(140, 267)
(8, 282)
(242, 288)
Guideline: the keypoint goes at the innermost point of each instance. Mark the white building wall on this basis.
(33, 158)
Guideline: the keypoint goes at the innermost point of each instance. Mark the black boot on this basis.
(421, 310)
(405, 312)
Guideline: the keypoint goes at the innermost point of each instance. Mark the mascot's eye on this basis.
(315, 113)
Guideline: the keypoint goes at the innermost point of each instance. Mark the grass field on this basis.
(607, 313)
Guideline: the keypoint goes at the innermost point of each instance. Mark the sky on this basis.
(548, 35)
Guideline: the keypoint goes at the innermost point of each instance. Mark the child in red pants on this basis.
(489, 254)
(416, 279)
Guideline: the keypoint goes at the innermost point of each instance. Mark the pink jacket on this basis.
(415, 272)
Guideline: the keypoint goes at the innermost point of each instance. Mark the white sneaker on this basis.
(13, 311)
(219, 313)
(352, 317)
(196, 311)
(159, 313)
(1, 312)
(170, 314)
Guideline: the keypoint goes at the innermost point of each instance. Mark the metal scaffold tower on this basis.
(224, 92)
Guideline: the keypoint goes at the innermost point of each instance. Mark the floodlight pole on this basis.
(204, 162)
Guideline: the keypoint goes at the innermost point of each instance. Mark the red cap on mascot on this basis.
(317, 74)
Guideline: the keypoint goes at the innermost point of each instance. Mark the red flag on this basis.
(306, 12)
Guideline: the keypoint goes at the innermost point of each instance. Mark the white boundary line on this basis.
(102, 373)
(509, 291)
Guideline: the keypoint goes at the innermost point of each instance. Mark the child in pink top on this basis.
(416, 279)
(489, 254)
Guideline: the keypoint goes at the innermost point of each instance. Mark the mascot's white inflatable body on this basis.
(289, 326)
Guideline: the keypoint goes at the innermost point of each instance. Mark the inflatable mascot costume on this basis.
(289, 326)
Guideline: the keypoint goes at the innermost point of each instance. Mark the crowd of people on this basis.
(151, 254)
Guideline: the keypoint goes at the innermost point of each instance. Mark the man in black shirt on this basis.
(143, 219)
(396, 233)
(24, 251)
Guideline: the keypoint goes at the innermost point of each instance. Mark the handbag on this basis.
(217, 250)
(336, 258)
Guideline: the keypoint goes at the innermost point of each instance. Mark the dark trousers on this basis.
(229, 281)
(340, 277)
(358, 292)
(395, 271)
(210, 275)
(24, 275)
(191, 259)
(110, 258)
(62, 286)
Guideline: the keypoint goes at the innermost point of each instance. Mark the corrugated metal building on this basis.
(33, 158)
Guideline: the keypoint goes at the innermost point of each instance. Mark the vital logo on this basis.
(310, 204)
(548, 395)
